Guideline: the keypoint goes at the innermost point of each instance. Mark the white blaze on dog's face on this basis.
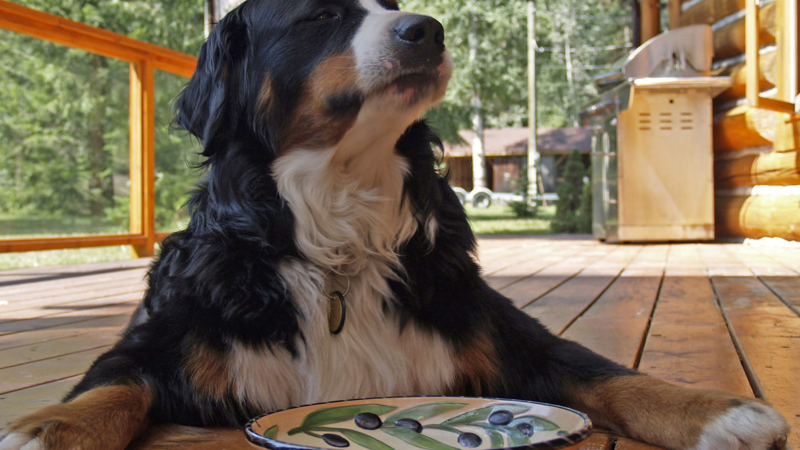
(378, 72)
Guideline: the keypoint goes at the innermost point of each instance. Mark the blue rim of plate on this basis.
(560, 442)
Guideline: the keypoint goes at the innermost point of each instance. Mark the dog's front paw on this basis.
(746, 425)
(31, 436)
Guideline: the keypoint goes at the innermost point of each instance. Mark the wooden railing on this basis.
(144, 60)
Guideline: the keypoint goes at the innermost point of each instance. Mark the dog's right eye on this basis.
(323, 16)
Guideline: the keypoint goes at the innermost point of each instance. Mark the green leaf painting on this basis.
(365, 440)
(272, 433)
(417, 439)
(483, 413)
(426, 411)
(338, 414)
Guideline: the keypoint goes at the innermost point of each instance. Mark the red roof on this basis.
(514, 141)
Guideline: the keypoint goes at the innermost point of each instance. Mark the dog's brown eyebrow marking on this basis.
(389, 4)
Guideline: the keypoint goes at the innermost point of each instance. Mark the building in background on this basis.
(507, 153)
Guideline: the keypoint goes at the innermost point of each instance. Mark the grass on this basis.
(495, 220)
(499, 220)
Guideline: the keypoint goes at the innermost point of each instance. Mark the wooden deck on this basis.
(722, 316)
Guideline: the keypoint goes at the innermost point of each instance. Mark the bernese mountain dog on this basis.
(327, 259)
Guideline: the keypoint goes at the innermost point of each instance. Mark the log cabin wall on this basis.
(756, 151)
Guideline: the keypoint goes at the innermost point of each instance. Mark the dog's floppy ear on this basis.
(207, 107)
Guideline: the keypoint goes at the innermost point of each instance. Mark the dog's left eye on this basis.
(324, 16)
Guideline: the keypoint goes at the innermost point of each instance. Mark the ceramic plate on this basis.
(421, 423)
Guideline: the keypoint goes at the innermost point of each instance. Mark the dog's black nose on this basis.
(424, 31)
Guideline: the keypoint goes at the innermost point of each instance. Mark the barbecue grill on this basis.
(652, 152)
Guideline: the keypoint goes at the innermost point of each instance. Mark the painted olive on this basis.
(368, 421)
(470, 440)
(411, 424)
(501, 417)
(334, 440)
(526, 429)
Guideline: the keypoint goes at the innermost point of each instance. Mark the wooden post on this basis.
(533, 151)
(787, 132)
(142, 156)
(651, 19)
(674, 14)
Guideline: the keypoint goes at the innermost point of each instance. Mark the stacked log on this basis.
(758, 215)
(758, 187)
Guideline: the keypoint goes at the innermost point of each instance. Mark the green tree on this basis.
(64, 126)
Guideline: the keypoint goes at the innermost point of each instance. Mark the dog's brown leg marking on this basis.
(476, 366)
(208, 371)
(104, 418)
(653, 410)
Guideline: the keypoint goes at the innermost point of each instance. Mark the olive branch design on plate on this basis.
(504, 425)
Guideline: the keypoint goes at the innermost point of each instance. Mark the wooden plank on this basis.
(49, 287)
(768, 333)
(35, 274)
(743, 127)
(689, 343)
(758, 216)
(32, 245)
(106, 290)
(85, 305)
(19, 403)
(599, 440)
(80, 327)
(559, 308)
(752, 169)
(40, 372)
(512, 260)
(529, 289)
(63, 31)
(68, 318)
(617, 323)
(630, 444)
(59, 347)
(530, 263)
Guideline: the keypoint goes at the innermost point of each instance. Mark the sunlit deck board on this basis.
(668, 310)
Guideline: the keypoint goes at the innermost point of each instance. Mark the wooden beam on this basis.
(758, 216)
(772, 168)
(743, 127)
(787, 133)
(142, 156)
(651, 19)
(674, 7)
(730, 40)
(31, 245)
(710, 11)
(63, 31)
(767, 77)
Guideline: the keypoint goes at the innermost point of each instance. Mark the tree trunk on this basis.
(101, 193)
(479, 179)
(479, 173)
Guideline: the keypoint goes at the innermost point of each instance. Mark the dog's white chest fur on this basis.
(372, 357)
(341, 224)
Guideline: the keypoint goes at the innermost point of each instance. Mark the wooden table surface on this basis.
(700, 315)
